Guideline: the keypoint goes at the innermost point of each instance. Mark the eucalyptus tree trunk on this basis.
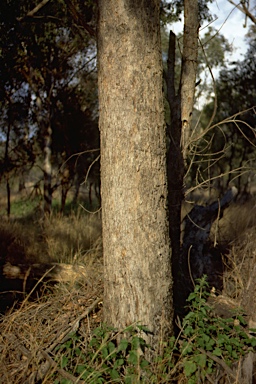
(181, 103)
(138, 282)
(188, 69)
(6, 162)
(47, 169)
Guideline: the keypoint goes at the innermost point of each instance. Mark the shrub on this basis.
(205, 342)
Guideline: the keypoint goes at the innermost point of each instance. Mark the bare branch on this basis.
(241, 6)
(34, 10)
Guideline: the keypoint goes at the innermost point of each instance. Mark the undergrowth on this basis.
(206, 344)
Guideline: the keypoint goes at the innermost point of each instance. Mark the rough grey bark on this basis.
(138, 282)
(188, 69)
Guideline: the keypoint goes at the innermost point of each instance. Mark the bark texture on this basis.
(138, 283)
(175, 165)
(181, 103)
(189, 69)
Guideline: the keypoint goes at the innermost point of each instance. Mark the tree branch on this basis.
(34, 10)
(189, 68)
(244, 10)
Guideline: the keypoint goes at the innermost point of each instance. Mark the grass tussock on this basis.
(237, 220)
(53, 340)
(75, 238)
(236, 230)
(29, 335)
(58, 340)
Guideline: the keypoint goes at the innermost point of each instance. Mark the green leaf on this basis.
(201, 360)
(229, 349)
(189, 330)
(118, 363)
(136, 342)
(217, 352)
(111, 347)
(114, 374)
(241, 319)
(123, 345)
(78, 351)
(80, 368)
(144, 363)
(128, 380)
(104, 352)
(189, 367)
(64, 361)
(234, 355)
(192, 296)
(133, 357)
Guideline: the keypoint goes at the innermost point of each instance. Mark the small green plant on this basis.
(104, 359)
(207, 341)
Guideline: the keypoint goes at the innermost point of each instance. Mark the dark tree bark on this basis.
(138, 282)
(6, 162)
(181, 105)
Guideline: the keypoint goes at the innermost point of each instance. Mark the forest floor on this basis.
(33, 324)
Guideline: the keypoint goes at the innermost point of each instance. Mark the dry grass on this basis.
(30, 335)
(74, 238)
(31, 331)
(237, 231)
(236, 221)
(240, 262)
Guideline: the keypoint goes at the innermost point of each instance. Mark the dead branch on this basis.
(34, 10)
(242, 7)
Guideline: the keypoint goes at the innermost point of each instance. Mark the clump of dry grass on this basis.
(29, 335)
(73, 238)
(236, 230)
(237, 219)
(239, 262)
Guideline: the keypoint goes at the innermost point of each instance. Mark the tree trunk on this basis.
(7, 162)
(138, 282)
(181, 106)
(188, 69)
(175, 167)
(47, 170)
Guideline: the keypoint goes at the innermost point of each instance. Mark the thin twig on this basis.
(34, 10)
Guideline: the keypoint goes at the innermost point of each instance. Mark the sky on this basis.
(230, 21)
(232, 28)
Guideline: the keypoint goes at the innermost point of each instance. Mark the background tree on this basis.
(46, 54)
(227, 151)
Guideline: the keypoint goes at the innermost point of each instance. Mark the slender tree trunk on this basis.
(7, 162)
(188, 69)
(138, 282)
(47, 170)
(181, 106)
(175, 167)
